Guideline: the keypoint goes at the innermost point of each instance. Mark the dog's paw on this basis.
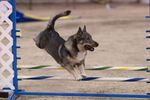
(84, 76)
(79, 79)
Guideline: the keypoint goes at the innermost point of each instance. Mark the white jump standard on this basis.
(8, 67)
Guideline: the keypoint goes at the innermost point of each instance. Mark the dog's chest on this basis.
(80, 56)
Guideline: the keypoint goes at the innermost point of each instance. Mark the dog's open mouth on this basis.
(88, 47)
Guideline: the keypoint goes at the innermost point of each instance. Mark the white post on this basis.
(6, 43)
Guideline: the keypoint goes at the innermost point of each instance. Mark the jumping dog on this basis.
(70, 54)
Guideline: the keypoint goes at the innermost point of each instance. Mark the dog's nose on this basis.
(96, 44)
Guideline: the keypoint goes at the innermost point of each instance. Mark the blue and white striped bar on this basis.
(116, 79)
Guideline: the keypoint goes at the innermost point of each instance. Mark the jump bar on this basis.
(84, 94)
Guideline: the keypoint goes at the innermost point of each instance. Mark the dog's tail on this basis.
(52, 22)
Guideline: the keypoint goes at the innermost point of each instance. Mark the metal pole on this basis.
(14, 51)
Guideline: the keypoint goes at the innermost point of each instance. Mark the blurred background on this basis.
(31, 3)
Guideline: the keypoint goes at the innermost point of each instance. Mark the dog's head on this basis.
(84, 40)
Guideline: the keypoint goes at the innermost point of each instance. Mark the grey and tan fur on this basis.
(71, 53)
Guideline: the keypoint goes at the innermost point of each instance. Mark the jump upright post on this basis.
(148, 31)
(8, 60)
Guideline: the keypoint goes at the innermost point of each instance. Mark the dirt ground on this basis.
(120, 33)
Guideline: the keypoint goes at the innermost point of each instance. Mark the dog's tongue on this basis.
(88, 47)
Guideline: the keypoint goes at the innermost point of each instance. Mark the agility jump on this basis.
(115, 79)
(130, 68)
(9, 82)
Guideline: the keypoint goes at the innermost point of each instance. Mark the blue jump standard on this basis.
(84, 94)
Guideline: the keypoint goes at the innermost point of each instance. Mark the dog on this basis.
(70, 53)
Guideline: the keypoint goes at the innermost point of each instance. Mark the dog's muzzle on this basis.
(91, 46)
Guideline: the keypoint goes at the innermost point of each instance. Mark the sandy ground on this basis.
(120, 33)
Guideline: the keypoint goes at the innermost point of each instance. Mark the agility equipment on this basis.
(8, 62)
(96, 78)
(20, 67)
(24, 17)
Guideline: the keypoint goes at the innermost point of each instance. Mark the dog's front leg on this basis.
(77, 72)
(72, 70)
(82, 70)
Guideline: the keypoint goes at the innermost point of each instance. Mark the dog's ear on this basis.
(79, 31)
(84, 28)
